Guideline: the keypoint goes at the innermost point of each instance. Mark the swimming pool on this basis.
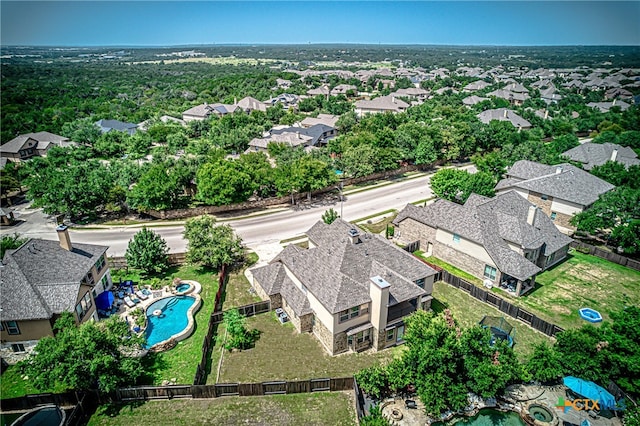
(490, 417)
(169, 317)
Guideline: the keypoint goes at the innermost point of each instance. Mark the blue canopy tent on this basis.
(591, 391)
(104, 301)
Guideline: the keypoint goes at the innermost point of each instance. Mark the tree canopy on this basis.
(147, 251)
(210, 244)
(457, 185)
(93, 355)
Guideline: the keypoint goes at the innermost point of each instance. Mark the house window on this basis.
(420, 282)
(100, 264)
(11, 327)
(391, 334)
(17, 347)
(553, 215)
(490, 272)
(543, 197)
(89, 279)
(348, 314)
(83, 307)
(360, 338)
(456, 238)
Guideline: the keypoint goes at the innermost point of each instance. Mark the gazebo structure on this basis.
(499, 328)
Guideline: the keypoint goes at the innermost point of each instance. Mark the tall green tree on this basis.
(210, 244)
(158, 188)
(93, 355)
(224, 182)
(330, 216)
(147, 251)
(457, 185)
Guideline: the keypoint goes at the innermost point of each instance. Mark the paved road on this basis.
(253, 230)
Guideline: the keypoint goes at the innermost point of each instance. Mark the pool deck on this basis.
(517, 398)
(124, 311)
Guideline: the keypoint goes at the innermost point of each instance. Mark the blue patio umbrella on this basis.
(591, 391)
(104, 300)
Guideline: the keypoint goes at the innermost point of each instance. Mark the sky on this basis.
(167, 23)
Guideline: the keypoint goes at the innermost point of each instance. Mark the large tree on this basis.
(223, 183)
(147, 251)
(158, 188)
(93, 355)
(210, 244)
(457, 185)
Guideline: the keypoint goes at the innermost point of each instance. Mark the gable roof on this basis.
(383, 103)
(563, 181)
(337, 271)
(121, 126)
(494, 223)
(503, 114)
(251, 104)
(40, 278)
(594, 154)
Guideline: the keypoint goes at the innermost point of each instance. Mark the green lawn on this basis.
(323, 408)
(450, 268)
(180, 362)
(581, 281)
(237, 291)
(13, 385)
(469, 311)
(283, 353)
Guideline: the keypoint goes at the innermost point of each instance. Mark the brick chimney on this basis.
(63, 236)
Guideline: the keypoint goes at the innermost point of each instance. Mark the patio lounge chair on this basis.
(130, 303)
(141, 295)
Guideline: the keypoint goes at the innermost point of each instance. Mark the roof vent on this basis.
(353, 232)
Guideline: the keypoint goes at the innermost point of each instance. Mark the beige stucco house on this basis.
(380, 105)
(504, 240)
(351, 289)
(42, 279)
(561, 191)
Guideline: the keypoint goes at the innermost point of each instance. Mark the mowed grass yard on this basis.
(322, 408)
(281, 353)
(469, 311)
(581, 281)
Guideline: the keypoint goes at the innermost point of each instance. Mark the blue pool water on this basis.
(182, 287)
(489, 417)
(172, 321)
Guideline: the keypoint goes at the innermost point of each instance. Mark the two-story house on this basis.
(42, 279)
(561, 191)
(380, 105)
(29, 145)
(503, 240)
(351, 289)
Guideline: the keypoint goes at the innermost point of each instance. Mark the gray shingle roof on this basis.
(493, 223)
(41, 278)
(594, 154)
(337, 272)
(563, 181)
(503, 114)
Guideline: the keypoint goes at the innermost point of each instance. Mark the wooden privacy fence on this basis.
(119, 262)
(603, 254)
(201, 369)
(218, 390)
(497, 302)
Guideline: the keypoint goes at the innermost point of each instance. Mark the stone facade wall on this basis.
(306, 323)
(563, 219)
(545, 205)
(292, 315)
(340, 343)
(461, 260)
(323, 334)
(12, 357)
(379, 339)
(410, 230)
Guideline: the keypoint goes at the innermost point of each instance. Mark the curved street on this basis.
(266, 227)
